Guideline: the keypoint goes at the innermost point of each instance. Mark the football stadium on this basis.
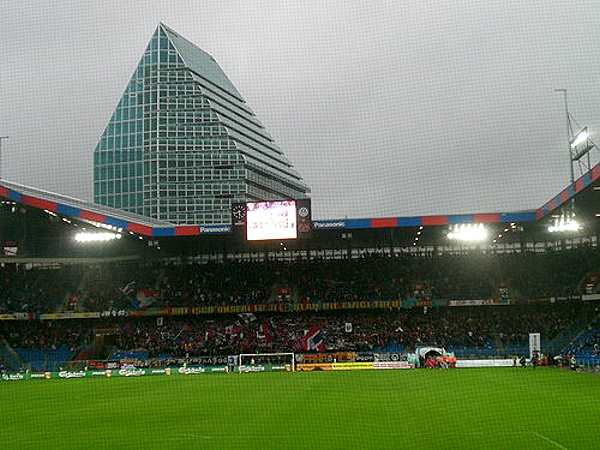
(197, 302)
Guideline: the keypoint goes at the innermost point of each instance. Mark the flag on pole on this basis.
(129, 288)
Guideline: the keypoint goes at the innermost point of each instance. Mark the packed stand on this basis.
(135, 285)
(586, 345)
(490, 328)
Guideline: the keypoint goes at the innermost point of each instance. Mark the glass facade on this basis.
(182, 144)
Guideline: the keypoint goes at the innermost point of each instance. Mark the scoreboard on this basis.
(273, 220)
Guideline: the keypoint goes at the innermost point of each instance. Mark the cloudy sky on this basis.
(386, 108)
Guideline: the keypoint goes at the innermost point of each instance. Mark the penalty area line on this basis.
(547, 439)
(515, 433)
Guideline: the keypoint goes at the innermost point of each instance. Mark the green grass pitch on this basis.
(504, 408)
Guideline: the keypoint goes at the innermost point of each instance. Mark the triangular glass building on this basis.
(182, 144)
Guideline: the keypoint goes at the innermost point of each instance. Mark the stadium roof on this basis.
(74, 207)
(569, 192)
(146, 226)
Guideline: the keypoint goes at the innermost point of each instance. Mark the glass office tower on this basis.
(182, 144)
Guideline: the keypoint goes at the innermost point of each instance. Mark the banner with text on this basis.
(208, 310)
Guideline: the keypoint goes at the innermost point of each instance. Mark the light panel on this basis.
(85, 237)
(468, 232)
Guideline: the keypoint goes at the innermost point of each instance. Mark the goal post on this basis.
(258, 362)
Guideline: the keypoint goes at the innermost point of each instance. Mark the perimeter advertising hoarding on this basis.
(345, 366)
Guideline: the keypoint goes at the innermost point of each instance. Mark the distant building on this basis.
(182, 144)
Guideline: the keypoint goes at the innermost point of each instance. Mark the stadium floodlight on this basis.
(580, 137)
(108, 227)
(85, 237)
(564, 224)
(468, 232)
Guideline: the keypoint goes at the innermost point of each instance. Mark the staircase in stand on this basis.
(565, 339)
(9, 357)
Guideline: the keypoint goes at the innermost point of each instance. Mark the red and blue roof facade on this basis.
(569, 192)
(145, 226)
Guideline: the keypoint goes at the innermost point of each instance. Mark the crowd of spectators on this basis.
(117, 286)
(587, 343)
(47, 335)
(33, 291)
(103, 287)
(474, 327)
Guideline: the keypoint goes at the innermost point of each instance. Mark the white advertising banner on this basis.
(393, 365)
(463, 363)
(535, 343)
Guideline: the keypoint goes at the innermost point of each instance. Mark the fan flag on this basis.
(264, 332)
(313, 340)
(247, 317)
(233, 330)
(144, 298)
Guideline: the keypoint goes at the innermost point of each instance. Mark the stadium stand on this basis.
(9, 359)
(531, 292)
(482, 331)
(133, 285)
(586, 345)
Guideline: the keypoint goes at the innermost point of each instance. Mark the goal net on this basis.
(265, 362)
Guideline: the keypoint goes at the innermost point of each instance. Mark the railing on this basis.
(589, 364)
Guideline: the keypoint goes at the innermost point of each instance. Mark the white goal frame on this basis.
(241, 357)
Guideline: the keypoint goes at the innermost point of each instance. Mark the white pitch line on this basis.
(547, 439)
(190, 435)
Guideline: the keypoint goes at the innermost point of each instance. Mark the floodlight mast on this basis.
(578, 144)
(1, 139)
(569, 132)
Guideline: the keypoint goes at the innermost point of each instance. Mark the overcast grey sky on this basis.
(386, 108)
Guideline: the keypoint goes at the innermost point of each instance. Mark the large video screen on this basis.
(271, 220)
